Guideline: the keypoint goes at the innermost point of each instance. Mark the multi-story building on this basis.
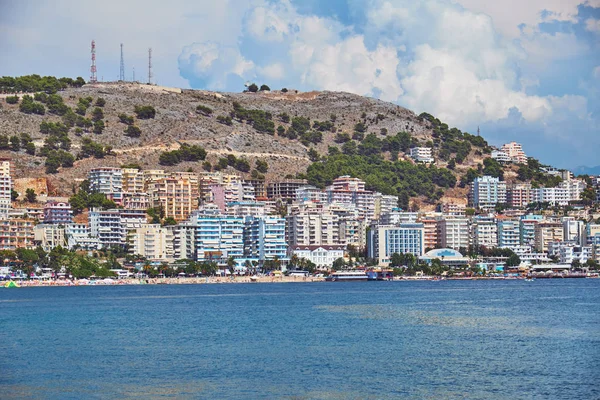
(286, 189)
(562, 194)
(264, 238)
(58, 212)
(515, 152)
(567, 252)
(527, 225)
(592, 234)
(501, 156)
(546, 232)
(454, 232)
(386, 240)
(313, 225)
(431, 239)
(136, 201)
(487, 192)
(152, 241)
(573, 230)
(259, 187)
(456, 209)
(218, 236)
(322, 256)
(184, 240)
(485, 232)
(310, 193)
(133, 180)
(5, 188)
(16, 233)
(177, 195)
(108, 181)
(509, 234)
(384, 204)
(422, 154)
(49, 236)
(397, 216)
(80, 236)
(106, 226)
(519, 195)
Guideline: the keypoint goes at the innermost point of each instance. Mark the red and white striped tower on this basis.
(93, 78)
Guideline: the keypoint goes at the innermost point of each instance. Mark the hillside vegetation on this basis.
(59, 128)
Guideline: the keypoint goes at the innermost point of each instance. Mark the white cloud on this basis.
(596, 72)
(212, 64)
(273, 71)
(592, 25)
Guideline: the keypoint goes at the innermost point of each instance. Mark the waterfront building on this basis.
(485, 232)
(152, 242)
(592, 234)
(49, 236)
(313, 224)
(264, 238)
(322, 256)
(527, 225)
(385, 240)
(546, 232)
(431, 238)
(79, 236)
(573, 230)
(487, 192)
(509, 234)
(218, 236)
(184, 240)
(16, 233)
(106, 226)
(454, 232)
(567, 252)
(58, 212)
(422, 154)
(448, 257)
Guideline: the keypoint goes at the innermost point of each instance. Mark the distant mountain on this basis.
(585, 170)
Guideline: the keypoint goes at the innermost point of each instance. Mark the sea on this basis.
(507, 339)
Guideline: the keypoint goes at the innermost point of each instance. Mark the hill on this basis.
(61, 134)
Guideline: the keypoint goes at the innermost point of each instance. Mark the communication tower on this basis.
(150, 66)
(93, 78)
(122, 71)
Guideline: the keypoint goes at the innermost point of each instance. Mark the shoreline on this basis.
(246, 279)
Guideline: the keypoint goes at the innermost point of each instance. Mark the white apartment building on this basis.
(454, 232)
(501, 156)
(487, 192)
(5, 188)
(422, 154)
(80, 236)
(313, 226)
(264, 238)
(108, 181)
(485, 232)
(573, 230)
(133, 180)
(547, 232)
(384, 204)
(560, 195)
(217, 236)
(152, 241)
(509, 234)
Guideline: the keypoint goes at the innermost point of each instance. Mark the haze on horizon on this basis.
(525, 71)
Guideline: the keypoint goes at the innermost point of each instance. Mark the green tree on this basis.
(264, 87)
(30, 195)
(253, 88)
(145, 112)
(262, 166)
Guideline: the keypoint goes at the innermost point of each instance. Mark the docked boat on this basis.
(346, 276)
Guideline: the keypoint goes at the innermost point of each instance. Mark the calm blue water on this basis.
(421, 340)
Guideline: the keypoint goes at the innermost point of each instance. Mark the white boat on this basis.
(343, 276)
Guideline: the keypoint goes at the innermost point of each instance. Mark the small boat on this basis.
(346, 276)
(253, 278)
(11, 284)
(529, 279)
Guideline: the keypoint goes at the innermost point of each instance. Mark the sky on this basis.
(523, 70)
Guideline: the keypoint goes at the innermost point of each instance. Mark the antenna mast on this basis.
(150, 66)
(478, 133)
(93, 78)
(133, 74)
(122, 71)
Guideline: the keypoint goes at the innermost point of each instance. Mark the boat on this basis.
(346, 276)
(11, 284)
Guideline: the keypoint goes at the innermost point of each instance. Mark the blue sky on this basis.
(521, 70)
